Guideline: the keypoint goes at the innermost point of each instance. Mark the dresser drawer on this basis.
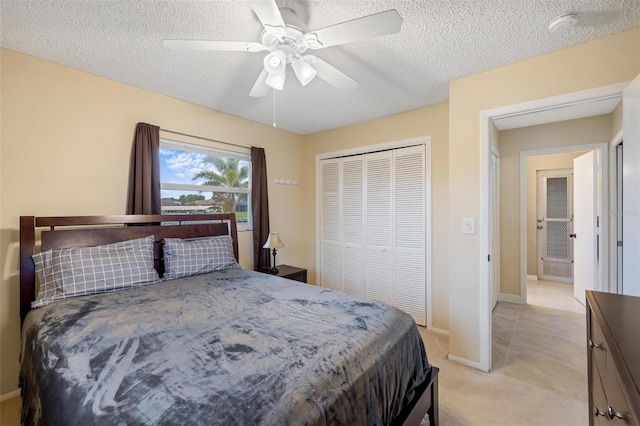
(599, 413)
(598, 348)
(618, 406)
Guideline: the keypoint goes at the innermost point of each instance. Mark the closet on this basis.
(373, 210)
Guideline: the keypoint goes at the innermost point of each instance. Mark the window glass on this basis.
(198, 180)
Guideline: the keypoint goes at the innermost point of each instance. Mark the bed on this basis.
(224, 347)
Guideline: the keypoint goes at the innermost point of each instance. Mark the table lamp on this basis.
(274, 242)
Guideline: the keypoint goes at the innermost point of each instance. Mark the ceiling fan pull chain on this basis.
(274, 107)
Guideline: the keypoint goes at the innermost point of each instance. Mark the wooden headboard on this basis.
(85, 231)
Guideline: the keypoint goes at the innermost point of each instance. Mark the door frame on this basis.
(613, 218)
(486, 124)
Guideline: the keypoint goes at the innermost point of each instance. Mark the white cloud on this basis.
(167, 151)
(187, 164)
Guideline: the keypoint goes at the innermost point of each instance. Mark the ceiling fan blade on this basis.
(270, 17)
(260, 88)
(371, 26)
(331, 74)
(239, 46)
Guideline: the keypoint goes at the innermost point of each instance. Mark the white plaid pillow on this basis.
(78, 271)
(183, 258)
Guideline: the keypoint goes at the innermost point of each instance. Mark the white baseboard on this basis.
(10, 395)
(532, 278)
(510, 298)
(439, 331)
(464, 361)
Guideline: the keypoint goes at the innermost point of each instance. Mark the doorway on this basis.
(557, 166)
(536, 109)
(554, 224)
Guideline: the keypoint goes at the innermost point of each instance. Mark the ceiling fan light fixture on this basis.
(286, 38)
(275, 62)
(276, 80)
(304, 71)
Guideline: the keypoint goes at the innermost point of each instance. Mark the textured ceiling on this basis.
(439, 41)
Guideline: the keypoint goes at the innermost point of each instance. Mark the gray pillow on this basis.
(183, 258)
(78, 271)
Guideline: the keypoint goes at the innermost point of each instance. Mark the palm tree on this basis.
(227, 173)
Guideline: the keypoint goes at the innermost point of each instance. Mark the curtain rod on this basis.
(205, 139)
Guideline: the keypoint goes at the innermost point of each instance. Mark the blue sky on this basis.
(180, 166)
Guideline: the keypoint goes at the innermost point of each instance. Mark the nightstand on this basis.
(290, 272)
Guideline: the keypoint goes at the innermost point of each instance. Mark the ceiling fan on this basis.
(288, 41)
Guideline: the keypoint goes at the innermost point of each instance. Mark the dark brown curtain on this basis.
(144, 173)
(259, 208)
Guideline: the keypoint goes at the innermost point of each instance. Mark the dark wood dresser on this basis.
(613, 354)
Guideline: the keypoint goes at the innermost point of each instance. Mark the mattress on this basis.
(231, 347)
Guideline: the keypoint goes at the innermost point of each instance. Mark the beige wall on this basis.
(567, 133)
(537, 163)
(66, 142)
(602, 62)
(432, 121)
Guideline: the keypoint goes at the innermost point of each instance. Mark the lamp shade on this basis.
(275, 62)
(276, 80)
(273, 241)
(276, 65)
(304, 71)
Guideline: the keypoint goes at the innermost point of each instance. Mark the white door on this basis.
(495, 229)
(352, 215)
(631, 189)
(409, 234)
(554, 224)
(585, 224)
(379, 226)
(330, 232)
(618, 217)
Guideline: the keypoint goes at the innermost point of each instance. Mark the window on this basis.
(197, 180)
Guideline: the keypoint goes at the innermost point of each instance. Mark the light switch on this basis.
(509, 217)
(468, 225)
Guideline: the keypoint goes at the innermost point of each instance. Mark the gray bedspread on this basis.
(233, 347)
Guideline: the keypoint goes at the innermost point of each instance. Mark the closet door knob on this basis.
(594, 345)
(572, 236)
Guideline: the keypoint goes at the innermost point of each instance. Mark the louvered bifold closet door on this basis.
(330, 235)
(379, 227)
(353, 224)
(410, 231)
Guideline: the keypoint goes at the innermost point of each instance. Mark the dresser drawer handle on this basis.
(597, 412)
(613, 413)
(594, 345)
